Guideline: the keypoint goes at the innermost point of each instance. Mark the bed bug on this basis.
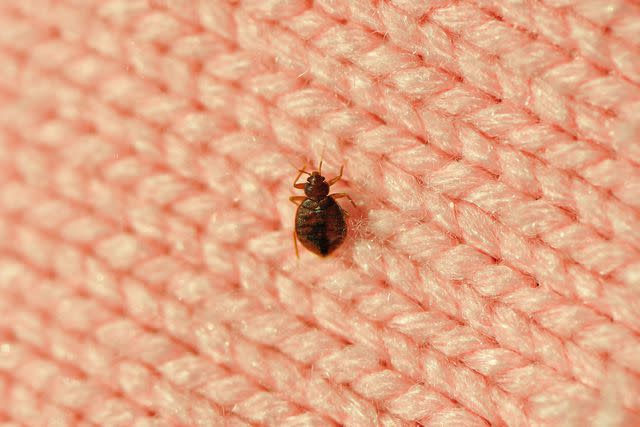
(320, 225)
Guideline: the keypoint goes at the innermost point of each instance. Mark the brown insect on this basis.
(320, 224)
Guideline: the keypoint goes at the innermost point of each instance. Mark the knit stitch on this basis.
(491, 274)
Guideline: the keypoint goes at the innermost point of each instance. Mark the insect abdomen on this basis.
(320, 225)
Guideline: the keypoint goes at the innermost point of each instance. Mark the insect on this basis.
(320, 224)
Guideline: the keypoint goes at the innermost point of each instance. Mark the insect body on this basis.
(320, 224)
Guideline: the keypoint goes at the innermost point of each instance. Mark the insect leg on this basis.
(297, 199)
(295, 244)
(337, 178)
(340, 195)
(295, 181)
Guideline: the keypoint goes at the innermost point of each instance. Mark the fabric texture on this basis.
(491, 272)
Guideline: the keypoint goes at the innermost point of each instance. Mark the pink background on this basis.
(491, 274)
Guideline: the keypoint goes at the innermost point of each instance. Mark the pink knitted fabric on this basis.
(491, 273)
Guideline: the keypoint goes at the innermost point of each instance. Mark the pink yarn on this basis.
(491, 274)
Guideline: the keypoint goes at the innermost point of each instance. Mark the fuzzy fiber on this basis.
(491, 273)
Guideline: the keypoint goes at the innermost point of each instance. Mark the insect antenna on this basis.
(321, 158)
(302, 169)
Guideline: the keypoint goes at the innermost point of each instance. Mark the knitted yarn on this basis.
(491, 272)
